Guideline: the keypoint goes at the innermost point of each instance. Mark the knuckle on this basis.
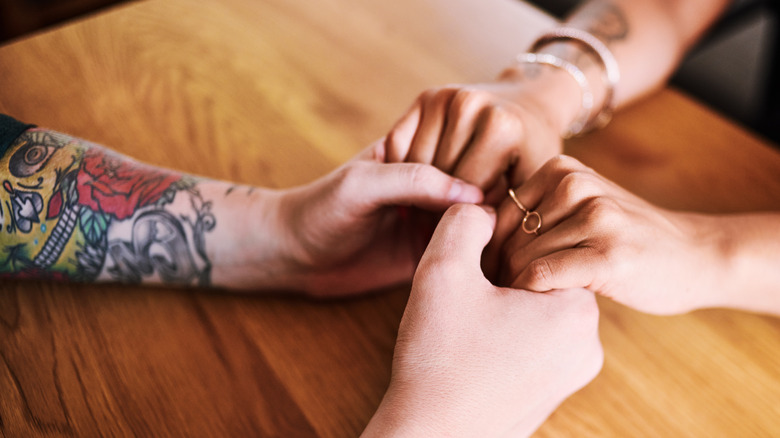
(467, 99)
(603, 211)
(563, 162)
(434, 96)
(429, 94)
(576, 186)
(500, 121)
(421, 176)
(349, 176)
(539, 274)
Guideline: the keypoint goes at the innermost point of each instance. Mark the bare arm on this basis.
(76, 211)
(749, 245)
(72, 210)
(498, 133)
(647, 37)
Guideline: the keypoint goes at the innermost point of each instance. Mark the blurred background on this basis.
(732, 70)
(20, 17)
(735, 69)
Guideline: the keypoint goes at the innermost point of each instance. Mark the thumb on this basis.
(454, 253)
(420, 185)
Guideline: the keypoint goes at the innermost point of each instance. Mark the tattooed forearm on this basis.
(607, 21)
(75, 211)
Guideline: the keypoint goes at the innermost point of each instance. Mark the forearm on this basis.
(748, 272)
(77, 211)
(648, 39)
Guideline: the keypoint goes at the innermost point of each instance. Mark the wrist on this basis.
(250, 252)
(745, 274)
(595, 75)
(552, 92)
(712, 252)
(398, 419)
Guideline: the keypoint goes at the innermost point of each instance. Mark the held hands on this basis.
(473, 359)
(598, 236)
(345, 233)
(479, 133)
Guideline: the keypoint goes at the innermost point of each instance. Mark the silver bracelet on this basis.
(583, 118)
(611, 69)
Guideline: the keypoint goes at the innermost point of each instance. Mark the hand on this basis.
(344, 233)
(481, 133)
(473, 359)
(599, 236)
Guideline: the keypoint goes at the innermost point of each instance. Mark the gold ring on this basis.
(527, 214)
(533, 230)
(517, 201)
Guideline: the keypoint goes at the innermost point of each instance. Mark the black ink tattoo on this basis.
(159, 244)
(62, 200)
(609, 23)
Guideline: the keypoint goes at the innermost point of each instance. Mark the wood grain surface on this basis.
(277, 93)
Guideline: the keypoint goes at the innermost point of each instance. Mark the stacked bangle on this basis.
(582, 119)
(608, 61)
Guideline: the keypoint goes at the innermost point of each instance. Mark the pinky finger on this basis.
(569, 268)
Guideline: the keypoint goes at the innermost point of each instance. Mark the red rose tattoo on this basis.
(118, 187)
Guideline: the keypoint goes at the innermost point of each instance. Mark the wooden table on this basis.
(277, 93)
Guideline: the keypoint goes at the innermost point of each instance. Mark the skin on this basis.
(542, 347)
(655, 260)
(496, 134)
(473, 359)
(75, 211)
(599, 236)
(341, 234)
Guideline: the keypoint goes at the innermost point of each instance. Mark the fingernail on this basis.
(466, 193)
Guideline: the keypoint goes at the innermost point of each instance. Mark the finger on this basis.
(557, 191)
(454, 252)
(539, 145)
(567, 204)
(375, 185)
(429, 131)
(497, 192)
(493, 150)
(547, 178)
(518, 251)
(399, 139)
(373, 152)
(509, 218)
(570, 268)
(462, 118)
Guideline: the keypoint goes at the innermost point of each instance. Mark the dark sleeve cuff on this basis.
(10, 130)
